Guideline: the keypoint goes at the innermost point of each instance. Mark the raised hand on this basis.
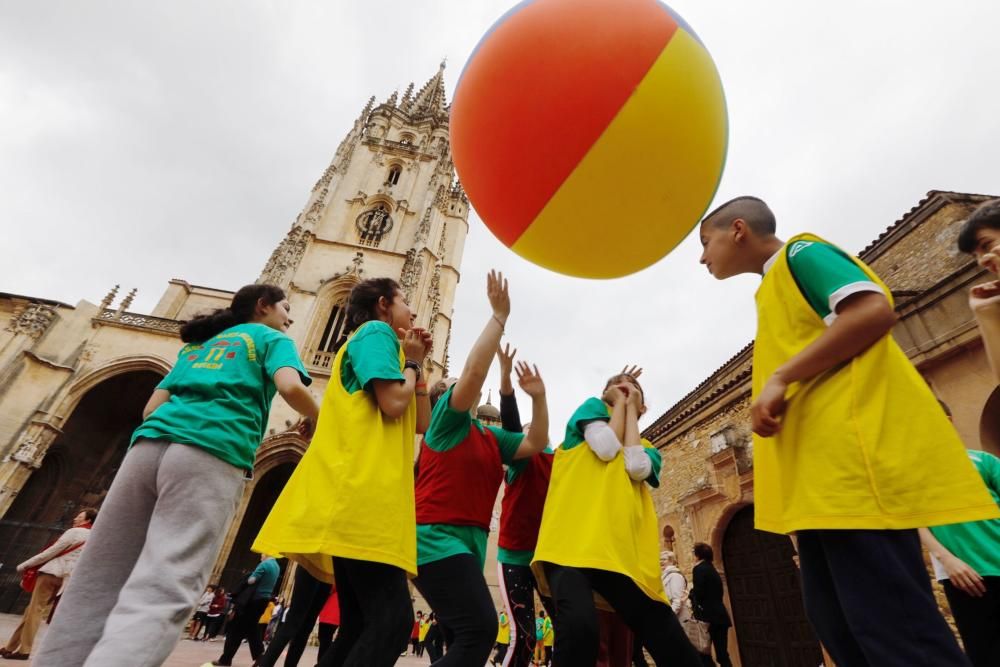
(984, 294)
(506, 357)
(416, 343)
(530, 379)
(499, 296)
(632, 371)
(615, 394)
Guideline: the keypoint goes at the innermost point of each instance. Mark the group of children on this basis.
(852, 455)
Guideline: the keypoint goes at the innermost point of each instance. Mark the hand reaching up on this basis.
(499, 296)
(530, 379)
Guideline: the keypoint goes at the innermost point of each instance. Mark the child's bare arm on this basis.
(159, 397)
(862, 319)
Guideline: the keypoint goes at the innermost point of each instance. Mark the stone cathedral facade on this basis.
(74, 378)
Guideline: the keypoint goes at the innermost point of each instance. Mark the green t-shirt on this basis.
(372, 354)
(221, 392)
(449, 428)
(594, 409)
(977, 542)
(266, 574)
(826, 276)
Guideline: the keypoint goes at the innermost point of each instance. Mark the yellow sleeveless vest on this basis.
(596, 517)
(351, 495)
(863, 445)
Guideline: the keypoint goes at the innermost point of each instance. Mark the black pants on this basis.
(518, 593)
(500, 654)
(324, 633)
(638, 657)
(868, 595)
(978, 621)
(720, 642)
(576, 625)
(244, 626)
(376, 615)
(456, 590)
(434, 642)
(213, 625)
(308, 597)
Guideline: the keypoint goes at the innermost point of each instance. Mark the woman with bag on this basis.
(676, 587)
(43, 575)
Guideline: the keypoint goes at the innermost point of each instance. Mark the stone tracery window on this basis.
(373, 225)
(334, 329)
(395, 171)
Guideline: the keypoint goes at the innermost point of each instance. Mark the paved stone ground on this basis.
(190, 654)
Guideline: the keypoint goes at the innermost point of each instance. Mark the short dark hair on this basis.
(704, 552)
(753, 210)
(986, 216)
(89, 512)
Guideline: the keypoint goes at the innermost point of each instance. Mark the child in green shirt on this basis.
(169, 507)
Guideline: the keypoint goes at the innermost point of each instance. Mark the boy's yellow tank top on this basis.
(864, 445)
(597, 517)
(351, 495)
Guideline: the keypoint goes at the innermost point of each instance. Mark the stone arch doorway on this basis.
(989, 424)
(766, 598)
(77, 471)
(262, 499)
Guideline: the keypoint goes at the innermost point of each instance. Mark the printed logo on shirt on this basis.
(219, 350)
(797, 247)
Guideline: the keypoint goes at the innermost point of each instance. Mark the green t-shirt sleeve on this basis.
(591, 410)
(169, 380)
(508, 442)
(654, 456)
(448, 427)
(823, 271)
(373, 353)
(280, 352)
(989, 469)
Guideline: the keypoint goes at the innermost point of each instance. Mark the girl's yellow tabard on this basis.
(597, 517)
(863, 445)
(351, 495)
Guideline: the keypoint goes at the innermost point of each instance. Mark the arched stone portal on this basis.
(766, 597)
(77, 471)
(262, 499)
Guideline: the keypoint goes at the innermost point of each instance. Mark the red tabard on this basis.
(458, 487)
(523, 501)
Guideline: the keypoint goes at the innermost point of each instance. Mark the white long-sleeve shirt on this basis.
(605, 444)
(62, 566)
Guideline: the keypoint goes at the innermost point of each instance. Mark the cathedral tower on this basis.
(388, 205)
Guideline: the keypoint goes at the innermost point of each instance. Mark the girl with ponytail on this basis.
(169, 508)
(347, 513)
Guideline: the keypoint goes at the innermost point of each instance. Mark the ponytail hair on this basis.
(240, 311)
(362, 304)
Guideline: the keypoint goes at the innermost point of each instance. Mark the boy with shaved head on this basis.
(852, 452)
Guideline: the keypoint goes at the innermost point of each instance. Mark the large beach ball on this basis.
(590, 135)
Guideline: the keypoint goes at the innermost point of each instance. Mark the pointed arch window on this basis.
(395, 171)
(373, 224)
(334, 329)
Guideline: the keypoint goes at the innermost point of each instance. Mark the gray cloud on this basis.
(144, 142)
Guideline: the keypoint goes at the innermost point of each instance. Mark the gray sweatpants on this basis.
(147, 559)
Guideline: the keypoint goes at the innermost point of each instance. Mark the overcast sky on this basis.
(146, 141)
